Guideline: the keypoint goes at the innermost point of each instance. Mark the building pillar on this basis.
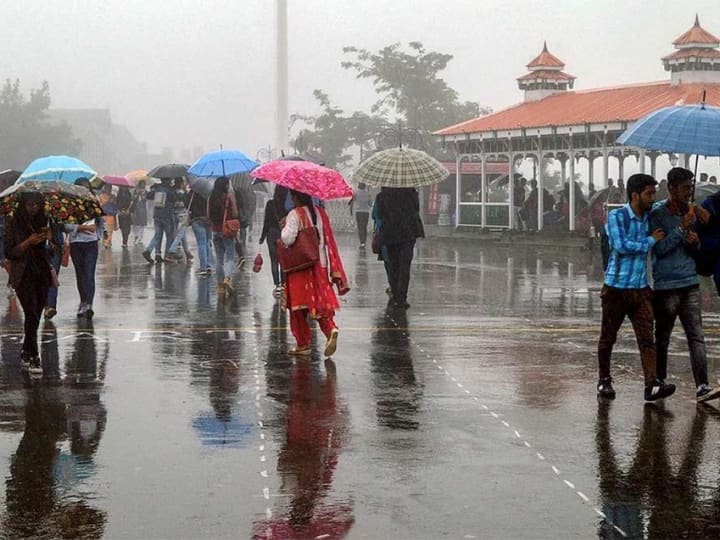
(606, 166)
(591, 173)
(511, 183)
(458, 185)
(653, 164)
(621, 167)
(541, 187)
(686, 160)
(571, 185)
(641, 160)
(483, 190)
(281, 112)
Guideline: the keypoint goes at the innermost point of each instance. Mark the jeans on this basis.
(637, 305)
(52, 291)
(84, 256)
(179, 240)
(399, 258)
(224, 260)
(162, 225)
(683, 303)
(361, 218)
(202, 237)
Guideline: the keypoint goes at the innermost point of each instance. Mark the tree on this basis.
(25, 129)
(410, 85)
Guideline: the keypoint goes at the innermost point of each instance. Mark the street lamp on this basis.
(399, 136)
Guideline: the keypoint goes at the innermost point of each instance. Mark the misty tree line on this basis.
(26, 131)
(409, 88)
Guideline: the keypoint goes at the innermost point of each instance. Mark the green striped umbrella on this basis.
(400, 168)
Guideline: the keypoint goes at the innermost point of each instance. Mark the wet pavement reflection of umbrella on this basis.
(400, 168)
(222, 163)
(216, 431)
(305, 177)
(169, 170)
(57, 168)
(64, 203)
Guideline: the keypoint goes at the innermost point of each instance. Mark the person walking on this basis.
(221, 208)
(138, 212)
(676, 284)
(274, 212)
(625, 291)
(163, 197)
(200, 224)
(84, 239)
(110, 209)
(123, 201)
(26, 238)
(399, 212)
(309, 292)
(381, 249)
(181, 220)
(361, 204)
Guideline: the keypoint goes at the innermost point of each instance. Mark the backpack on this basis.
(605, 248)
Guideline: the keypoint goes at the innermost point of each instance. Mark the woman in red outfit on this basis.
(309, 292)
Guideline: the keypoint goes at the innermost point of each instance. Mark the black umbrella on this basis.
(8, 178)
(170, 170)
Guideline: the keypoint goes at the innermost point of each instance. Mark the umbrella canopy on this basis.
(117, 181)
(170, 170)
(64, 203)
(201, 186)
(683, 129)
(306, 177)
(57, 168)
(702, 191)
(8, 177)
(400, 168)
(222, 163)
(245, 182)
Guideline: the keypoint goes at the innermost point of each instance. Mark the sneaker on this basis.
(82, 309)
(362, 246)
(331, 345)
(166, 259)
(50, 312)
(147, 256)
(658, 390)
(605, 388)
(35, 369)
(25, 361)
(388, 291)
(89, 313)
(124, 246)
(705, 392)
(228, 285)
(202, 272)
(209, 270)
(241, 263)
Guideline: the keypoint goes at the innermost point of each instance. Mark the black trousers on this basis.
(399, 261)
(32, 296)
(362, 221)
(125, 222)
(277, 274)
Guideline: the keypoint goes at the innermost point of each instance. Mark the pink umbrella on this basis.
(117, 181)
(306, 177)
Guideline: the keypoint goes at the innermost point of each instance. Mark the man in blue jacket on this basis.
(625, 292)
(677, 287)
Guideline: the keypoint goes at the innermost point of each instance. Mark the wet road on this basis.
(473, 416)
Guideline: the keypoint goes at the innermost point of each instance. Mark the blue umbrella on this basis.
(222, 163)
(57, 168)
(682, 129)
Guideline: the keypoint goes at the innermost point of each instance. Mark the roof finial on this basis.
(697, 20)
(545, 46)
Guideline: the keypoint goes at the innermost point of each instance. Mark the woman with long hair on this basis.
(309, 292)
(274, 212)
(26, 238)
(221, 207)
(123, 202)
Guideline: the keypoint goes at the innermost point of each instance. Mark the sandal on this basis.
(300, 351)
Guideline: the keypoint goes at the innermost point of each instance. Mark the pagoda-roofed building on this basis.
(559, 123)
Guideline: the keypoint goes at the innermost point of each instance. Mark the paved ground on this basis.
(473, 416)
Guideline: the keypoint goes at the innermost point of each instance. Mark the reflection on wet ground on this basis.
(472, 415)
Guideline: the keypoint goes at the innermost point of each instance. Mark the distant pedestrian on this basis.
(399, 212)
(200, 224)
(625, 292)
(676, 284)
(361, 204)
(110, 209)
(26, 239)
(123, 202)
(84, 240)
(274, 212)
(163, 197)
(382, 254)
(221, 207)
(181, 220)
(138, 212)
(309, 292)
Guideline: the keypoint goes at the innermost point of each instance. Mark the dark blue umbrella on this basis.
(222, 163)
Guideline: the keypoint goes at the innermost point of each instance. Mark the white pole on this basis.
(281, 112)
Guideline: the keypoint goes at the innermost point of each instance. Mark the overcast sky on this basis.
(186, 73)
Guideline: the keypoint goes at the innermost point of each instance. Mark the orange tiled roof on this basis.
(697, 34)
(603, 105)
(547, 74)
(545, 59)
(693, 51)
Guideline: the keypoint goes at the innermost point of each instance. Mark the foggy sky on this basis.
(185, 73)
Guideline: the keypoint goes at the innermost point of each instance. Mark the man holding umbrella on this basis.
(163, 196)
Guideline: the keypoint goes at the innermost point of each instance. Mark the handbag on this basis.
(230, 227)
(303, 253)
(65, 258)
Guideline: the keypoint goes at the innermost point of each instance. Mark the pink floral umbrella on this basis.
(306, 177)
(117, 181)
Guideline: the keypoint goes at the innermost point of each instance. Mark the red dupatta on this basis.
(335, 265)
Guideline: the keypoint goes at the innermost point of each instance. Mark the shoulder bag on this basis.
(230, 227)
(304, 252)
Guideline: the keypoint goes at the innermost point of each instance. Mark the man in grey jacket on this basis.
(677, 287)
